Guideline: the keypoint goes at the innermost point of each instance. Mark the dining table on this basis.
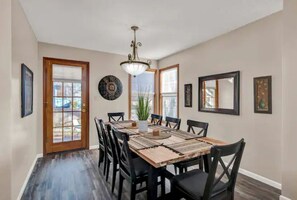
(161, 146)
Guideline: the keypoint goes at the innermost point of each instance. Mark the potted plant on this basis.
(143, 112)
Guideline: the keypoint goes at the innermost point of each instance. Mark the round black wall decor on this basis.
(110, 87)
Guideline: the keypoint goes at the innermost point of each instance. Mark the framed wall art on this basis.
(26, 91)
(188, 95)
(263, 95)
(110, 87)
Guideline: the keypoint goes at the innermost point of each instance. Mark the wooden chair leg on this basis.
(107, 169)
(163, 186)
(101, 157)
(114, 173)
(175, 170)
(121, 180)
(201, 164)
(133, 191)
(105, 164)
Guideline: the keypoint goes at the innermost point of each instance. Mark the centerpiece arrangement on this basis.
(143, 111)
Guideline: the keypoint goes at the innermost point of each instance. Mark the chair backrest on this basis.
(214, 184)
(156, 119)
(196, 124)
(99, 133)
(124, 153)
(108, 140)
(116, 116)
(173, 122)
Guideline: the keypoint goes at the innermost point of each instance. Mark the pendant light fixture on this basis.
(133, 65)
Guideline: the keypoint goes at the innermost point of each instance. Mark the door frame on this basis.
(87, 79)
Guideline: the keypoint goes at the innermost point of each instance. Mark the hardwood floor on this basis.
(75, 175)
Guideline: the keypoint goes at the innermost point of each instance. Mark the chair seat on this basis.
(141, 167)
(193, 183)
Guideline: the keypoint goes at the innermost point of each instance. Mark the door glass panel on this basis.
(76, 104)
(67, 134)
(77, 133)
(57, 135)
(57, 89)
(57, 118)
(67, 103)
(57, 104)
(67, 89)
(67, 121)
(77, 89)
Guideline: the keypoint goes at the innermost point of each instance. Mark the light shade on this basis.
(134, 67)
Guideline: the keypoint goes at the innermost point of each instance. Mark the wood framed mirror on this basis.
(219, 93)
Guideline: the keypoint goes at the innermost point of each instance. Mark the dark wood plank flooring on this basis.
(75, 176)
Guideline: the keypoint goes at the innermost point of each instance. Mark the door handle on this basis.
(83, 110)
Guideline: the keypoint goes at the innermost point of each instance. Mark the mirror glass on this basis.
(218, 93)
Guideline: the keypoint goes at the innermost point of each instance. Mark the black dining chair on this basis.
(156, 119)
(183, 166)
(172, 122)
(134, 170)
(116, 116)
(102, 145)
(198, 185)
(111, 156)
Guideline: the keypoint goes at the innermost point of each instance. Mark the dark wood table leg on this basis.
(206, 159)
(152, 193)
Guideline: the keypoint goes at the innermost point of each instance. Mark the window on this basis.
(169, 91)
(143, 83)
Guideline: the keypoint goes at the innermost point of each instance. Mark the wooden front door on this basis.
(65, 105)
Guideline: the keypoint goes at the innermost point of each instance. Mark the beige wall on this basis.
(101, 64)
(5, 87)
(255, 50)
(24, 130)
(289, 158)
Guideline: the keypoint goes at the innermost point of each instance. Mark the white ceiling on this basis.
(166, 26)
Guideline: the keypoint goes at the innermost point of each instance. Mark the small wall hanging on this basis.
(262, 95)
(26, 91)
(110, 87)
(188, 95)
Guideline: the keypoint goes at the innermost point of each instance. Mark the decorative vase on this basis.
(142, 125)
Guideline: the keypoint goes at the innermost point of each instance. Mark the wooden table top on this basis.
(178, 147)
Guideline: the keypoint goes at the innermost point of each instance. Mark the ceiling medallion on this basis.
(133, 65)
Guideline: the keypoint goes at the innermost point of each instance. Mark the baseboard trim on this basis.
(259, 178)
(281, 197)
(94, 147)
(28, 176)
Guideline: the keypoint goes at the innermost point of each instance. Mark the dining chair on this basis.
(198, 185)
(192, 125)
(133, 170)
(156, 119)
(172, 122)
(102, 146)
(111, 157)
(116, 116)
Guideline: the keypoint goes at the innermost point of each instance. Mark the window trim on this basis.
(155, 90)
(159, 84)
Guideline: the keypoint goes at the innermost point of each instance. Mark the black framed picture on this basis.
(188, 95)
(26, 91)
(263, 95)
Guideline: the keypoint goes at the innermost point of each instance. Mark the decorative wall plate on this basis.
(110, 87)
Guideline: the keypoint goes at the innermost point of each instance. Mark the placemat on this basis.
(161, 136)
(190, 146)
(142, 142)
(159, 154)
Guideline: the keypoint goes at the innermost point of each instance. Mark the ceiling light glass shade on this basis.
(134, 67)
